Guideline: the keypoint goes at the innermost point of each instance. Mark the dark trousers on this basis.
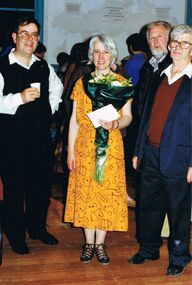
(26, 170)
(1, 233)
(160, 195)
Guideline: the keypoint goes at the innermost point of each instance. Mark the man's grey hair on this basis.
(180, 30)
(151, 25)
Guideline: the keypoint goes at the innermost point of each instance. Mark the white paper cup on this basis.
(36, 85)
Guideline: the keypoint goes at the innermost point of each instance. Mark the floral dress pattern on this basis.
(90, 204)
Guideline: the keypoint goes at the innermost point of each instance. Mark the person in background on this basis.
(6, 50)
(97, 204)
(163, 154)
(64, 72)
(137, 48)
(64, 61)
(7, 44)
(76, 69)
(40, 50)
(25, 147)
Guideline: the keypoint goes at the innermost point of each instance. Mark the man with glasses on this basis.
(30, 92)
(163, 153)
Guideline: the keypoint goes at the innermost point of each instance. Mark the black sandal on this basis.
(87, 252)
(101, 254)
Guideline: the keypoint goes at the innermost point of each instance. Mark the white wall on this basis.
(67, 22)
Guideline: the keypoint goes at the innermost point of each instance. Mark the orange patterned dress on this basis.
(89, 204)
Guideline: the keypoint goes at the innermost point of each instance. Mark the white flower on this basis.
(116, 83)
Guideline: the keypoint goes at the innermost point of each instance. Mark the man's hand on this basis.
(189, 175)
(135, 162)
(30, 94)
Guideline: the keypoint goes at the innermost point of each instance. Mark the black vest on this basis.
(31, 119)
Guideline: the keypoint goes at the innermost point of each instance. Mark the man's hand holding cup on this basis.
(32, 93)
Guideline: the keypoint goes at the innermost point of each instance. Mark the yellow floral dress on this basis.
(90, 204)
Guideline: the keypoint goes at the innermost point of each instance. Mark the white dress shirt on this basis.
(10, 103)
(186, 71)
(155, 62)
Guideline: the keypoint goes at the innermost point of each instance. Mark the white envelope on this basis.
(107, 113)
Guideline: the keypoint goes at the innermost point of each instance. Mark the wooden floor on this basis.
(58, 265)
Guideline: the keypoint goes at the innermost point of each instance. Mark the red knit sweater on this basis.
(162, 104)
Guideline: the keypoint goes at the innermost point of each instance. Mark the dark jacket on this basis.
(145, 79)
(176, 142)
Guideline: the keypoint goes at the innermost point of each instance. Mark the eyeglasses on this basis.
(182, 44)
(26, 36)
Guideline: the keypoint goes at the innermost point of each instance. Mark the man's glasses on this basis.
(182, 44)
(26, 36)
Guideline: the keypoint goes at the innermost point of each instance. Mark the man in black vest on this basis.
(25, 148)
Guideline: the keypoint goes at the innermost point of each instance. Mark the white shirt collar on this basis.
(13, 59)
(155, 62)
(186, 71)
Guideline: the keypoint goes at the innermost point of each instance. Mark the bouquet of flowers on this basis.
(110, 80)
(104, 90)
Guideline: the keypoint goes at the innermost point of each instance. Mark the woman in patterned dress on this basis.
(95, 206)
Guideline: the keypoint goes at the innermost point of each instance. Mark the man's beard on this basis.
(158, 53)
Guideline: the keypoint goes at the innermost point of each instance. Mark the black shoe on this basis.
(174, 270)
(87, 252)
(21, 248)
(45, 237)
(139, 259)
(101, 254)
